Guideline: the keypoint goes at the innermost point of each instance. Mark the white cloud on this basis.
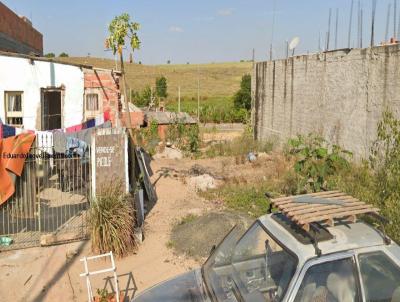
(176, 29)
(225, 12)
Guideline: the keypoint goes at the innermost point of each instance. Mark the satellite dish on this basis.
(293, 44)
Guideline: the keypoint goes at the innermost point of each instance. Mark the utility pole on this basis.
(350, 24)
(361, 26)
(373, 23)
(394, 18)
(336, 28)
(387, 22)
(127, 109)
(329, 29)
(198, 93)
(179, 99)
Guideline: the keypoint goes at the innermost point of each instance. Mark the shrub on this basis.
(316, 160)
(111, 220)
(161, 87)
(242, 98)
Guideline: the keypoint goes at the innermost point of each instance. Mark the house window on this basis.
(92, 106)
(92, 102)
(13, 105)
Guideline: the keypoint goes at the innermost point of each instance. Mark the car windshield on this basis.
(252, 267)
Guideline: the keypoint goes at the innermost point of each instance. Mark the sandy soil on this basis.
(52, 273)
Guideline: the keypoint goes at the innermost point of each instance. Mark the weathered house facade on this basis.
(42, 94)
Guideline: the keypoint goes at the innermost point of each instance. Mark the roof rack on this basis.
(322, 207)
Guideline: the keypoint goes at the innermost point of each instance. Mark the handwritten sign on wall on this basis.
(109, 159)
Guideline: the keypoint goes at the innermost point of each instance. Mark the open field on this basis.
(216, 79)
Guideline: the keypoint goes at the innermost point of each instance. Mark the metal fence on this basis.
(50, 202)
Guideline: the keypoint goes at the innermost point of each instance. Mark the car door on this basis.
(328, 278)
(380, 276)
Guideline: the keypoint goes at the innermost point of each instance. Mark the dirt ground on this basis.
(49, 273)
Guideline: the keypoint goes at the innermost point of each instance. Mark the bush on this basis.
(143, 98)
(161, 87)
(316, 160)
(111, 220)
(185, 137)
(242, 98)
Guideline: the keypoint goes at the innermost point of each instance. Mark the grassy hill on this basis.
(216, 79)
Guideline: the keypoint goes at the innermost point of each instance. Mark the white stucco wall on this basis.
(19, 74)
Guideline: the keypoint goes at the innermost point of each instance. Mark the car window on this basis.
(329, 281)
(380, 277)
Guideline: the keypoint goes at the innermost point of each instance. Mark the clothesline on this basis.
(8, 131)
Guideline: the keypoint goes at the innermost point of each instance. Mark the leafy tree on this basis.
(161, 87)
(63, 55)
(242, 98)
(120, 30)
(142, 99)
(50, 55)
(169, 62)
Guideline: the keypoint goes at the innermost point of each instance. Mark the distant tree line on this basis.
(53, 55)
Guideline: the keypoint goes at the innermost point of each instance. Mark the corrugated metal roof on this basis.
(166, 117)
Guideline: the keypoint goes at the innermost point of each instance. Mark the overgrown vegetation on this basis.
(314, 165)
(161, 87)
(316, 161)
(377, 180)
(111, 220)
(185, 137)
(239, 147)
(212, 109)
(242, 98)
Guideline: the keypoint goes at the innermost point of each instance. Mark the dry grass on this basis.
(216, 79)
(112, 222)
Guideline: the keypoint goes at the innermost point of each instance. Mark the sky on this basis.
(202, 31)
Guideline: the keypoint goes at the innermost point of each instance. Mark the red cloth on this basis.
(74, 128)
(16, 146)
(107, 116)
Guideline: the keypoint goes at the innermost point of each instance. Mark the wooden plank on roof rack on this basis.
(304, 213)
(311, 194)
(294, 204)
(341, 215)
(344, 210)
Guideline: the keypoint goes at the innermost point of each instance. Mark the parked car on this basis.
(276, 260)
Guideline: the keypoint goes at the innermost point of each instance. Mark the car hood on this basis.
(187, 287)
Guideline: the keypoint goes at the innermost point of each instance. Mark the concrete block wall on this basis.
(17, 34)
(340, 95)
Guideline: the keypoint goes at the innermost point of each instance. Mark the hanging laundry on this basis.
(60, 138)
(99, 120)
(13, 151)
(90, 124)
(75, 145)
(107, 116)
(73, 128)
(8, 131)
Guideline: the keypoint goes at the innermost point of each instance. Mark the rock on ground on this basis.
(169, 153)
(202, 182)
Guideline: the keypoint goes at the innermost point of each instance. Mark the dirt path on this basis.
(52, 274)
